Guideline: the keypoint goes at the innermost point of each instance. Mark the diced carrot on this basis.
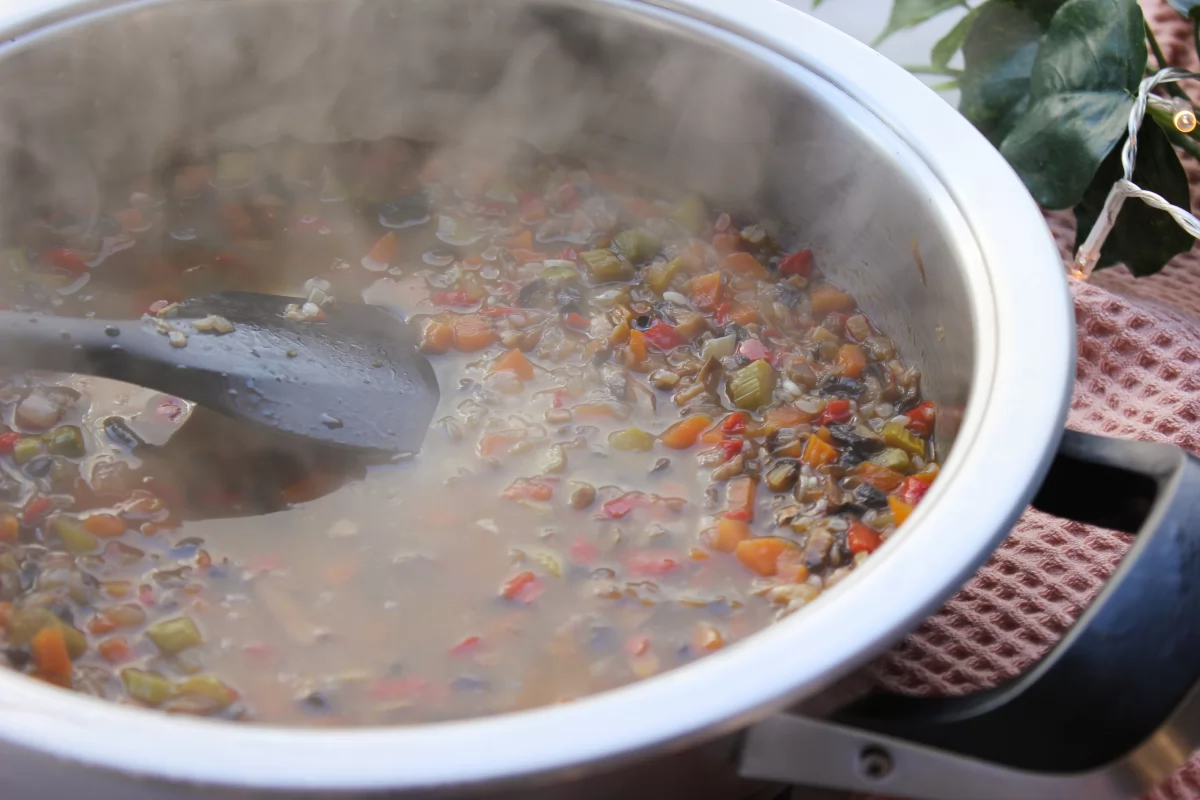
(697, 554)
(726, 243)
(743, 314)
(728, 534)
(106, 526)
(818, 453)
(762, 555)
(50, 656)
(785, 417)
(637, 346)
(472, 332)
(10, 528)
(790, 567)
(514, 361)
(739, 496)
(101, 624)
(852, 360)
(823, 432)
(713, 435)
(706, 291)
(525, 489)
(683, 434)
(384, 250)
(6, 610)
(706, 637)
(436, 338)
(494, 444)
(900, 509)
(744, 264)
(523, 587)
(861, 539)
(882, 478)
(528, 256)
(115, 650)
(522, 241)
(827, 298)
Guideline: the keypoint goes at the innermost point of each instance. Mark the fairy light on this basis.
(1183, 117)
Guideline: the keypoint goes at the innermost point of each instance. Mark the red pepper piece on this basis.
(797, 264)
(913, 489)
(523, 587)
(525, 489)
(755, 350)
(65, 259)
(584, 551)
(577, 321)
(835, 411)
(623, 505)
(741, 514)
(37, 508)
(861, 539)
(467, 646)
(663, 336)
(452, 299)
(651, 563)
(734, 423)
(722, 313)
(921, 418)
(8, 441)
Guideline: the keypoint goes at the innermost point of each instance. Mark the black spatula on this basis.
(353, 379)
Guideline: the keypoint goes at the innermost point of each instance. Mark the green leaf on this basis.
(1080, 93)
(909, 13)
(1144, 239)
(952, 42)
(998, 55)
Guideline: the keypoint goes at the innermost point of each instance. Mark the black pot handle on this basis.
(1109, 710)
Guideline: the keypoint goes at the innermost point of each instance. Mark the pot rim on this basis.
(1024, 344)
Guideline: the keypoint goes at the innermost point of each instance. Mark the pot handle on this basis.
(1112, 709)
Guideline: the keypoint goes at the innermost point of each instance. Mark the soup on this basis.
(658, 432)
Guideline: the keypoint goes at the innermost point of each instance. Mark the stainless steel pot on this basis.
(768, 110)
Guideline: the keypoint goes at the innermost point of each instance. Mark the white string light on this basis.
(1184, 119)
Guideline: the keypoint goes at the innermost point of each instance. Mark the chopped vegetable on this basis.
(637, 346)
(514, 361)
(800, 263)
(72, 534)
(660, 274)
(882, 478)
(900, 509)
(827, 298)
(861, 539)
(762, 555)
(782, 476)
(892, 458)
(753, 385)
(436, 338)
(651, 563)
(637, 245)
(65, 440)
(50, 656)
(728, 534)
(662, 336)
(106, 526)
(523, 588)
(818, 453)
(173, 636)
(739, 497)
(473, 333)
(683, 434)
(851, 360)
(526, 489)
(744, 264)
(914, 489)
(605, 266)
(147, 687)
(691, 214)
(26, 449)
(896, 435)
(631, 440)
(384, 250)
(835, 411)
(921, 419)
(706, 291)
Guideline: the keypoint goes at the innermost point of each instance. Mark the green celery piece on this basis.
(173, 636)
(752, 386)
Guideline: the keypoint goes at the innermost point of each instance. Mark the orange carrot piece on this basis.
(743, 314)
(514, 361)
(528, 256)
(494, 444)
(106, 526)
(10, 528)
(436, 338)
(50, 656)
(115, 650)
(522, 241)
(744, 264)
(726, 243)
(762, 555)
(6, 610)
(818, 453)
(852, 360)
(900, 509)
(739, 496)
(785, 417)
(473, 332)
(683, 434)
(637, 346)
(827, 298)
(882, 478)
(706, 291)
(728, 534)
(384, 250)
